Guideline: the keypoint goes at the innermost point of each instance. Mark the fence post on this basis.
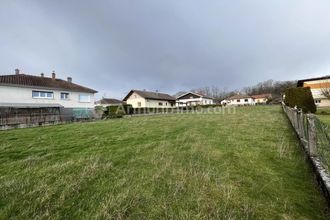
(311, 135)
(301, 124)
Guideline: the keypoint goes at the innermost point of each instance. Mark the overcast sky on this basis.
(167, 45)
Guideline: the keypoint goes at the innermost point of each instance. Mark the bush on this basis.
(115, 111)
(300, 97)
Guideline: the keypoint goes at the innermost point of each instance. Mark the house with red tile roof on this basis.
(30, 91)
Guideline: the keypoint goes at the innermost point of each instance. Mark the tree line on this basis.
(276, 88)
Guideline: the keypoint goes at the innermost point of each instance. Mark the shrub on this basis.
(115, 111)
(99, 111)
(301, 97)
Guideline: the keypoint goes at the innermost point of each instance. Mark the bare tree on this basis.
(325, 89)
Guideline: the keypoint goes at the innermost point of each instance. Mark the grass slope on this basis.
(243, 165)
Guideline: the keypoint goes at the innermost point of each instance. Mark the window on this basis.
(238, 100)
(160, 103)
(317, 101)
(42, 95)
(166, 103)
(246, 100)
(64, 95)
(84, 98)
(139, 104)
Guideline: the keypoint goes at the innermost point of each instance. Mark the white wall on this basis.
(249, 101)
(194, 101)
(24, 95)
(155, 104)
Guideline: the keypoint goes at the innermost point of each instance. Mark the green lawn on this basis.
(324, 115)
(243, 165)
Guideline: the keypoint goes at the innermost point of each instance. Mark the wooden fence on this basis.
(314, 136)
(31, 117)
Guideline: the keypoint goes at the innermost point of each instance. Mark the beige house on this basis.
(317, 85)
(146, 99)
(262, 98)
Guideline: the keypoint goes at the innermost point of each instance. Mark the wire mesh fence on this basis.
(313, 133)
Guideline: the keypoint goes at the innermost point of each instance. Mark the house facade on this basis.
(30, 91)
(262, 98)
(238, 100)
(146, 99)
(193, 99)
(317, 85)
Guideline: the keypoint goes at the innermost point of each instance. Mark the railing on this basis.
(314, 136)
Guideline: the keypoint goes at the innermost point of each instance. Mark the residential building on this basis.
(193, 99)
(147, 99)
(108, 102)
(30, 91)
(238, 100)
(317, 85)
(262, 98)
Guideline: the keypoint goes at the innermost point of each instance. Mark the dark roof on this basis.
(193, 93)
(151, 95)
(300, 83)
(23, 80)
(106, 101)
(239, 97)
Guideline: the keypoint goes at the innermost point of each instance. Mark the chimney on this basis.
(70, 79)
(42, 74)
(16, 71)
(53, 75)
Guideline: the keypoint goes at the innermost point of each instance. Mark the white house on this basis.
(317, 86)
(146, 99)
(239, 100)
(40, 91)
(193, 99)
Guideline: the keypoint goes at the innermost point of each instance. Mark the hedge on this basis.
(300, 97)
(117, 111)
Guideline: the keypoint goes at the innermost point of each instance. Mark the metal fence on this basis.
(313, 133)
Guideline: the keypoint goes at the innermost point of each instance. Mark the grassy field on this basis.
(324, 115)
(243, 165)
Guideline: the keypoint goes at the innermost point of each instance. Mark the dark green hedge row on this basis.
(117, 111)
(300, 97)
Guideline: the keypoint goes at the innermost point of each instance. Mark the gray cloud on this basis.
(114, 46)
